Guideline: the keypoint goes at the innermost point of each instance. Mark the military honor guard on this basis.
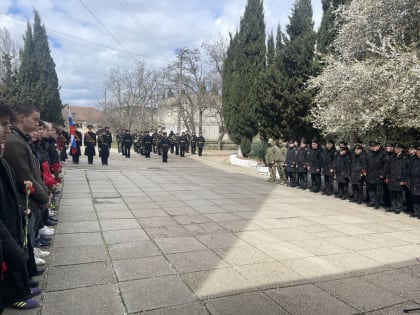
(90, 144)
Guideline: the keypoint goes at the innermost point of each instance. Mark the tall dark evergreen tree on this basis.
(8, 86)
(269, 91)
(297, 65)
(328, 29)
(37, 78)
(246, 59)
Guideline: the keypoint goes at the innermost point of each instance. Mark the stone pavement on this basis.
(198, 236)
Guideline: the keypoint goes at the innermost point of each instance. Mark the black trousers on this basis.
(316, 182)
(329, 184)
(375, 194)
(127, 149)
(396, 200)
(357, 192)
(165, 154)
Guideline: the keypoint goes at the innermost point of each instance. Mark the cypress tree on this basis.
(8, 86)
(297, 65)
(37, 77)
(246, 60)
(328, 30)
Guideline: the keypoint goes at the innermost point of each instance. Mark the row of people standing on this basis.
(29, 166)
(102, 138)
(385, 176)
(159, 143)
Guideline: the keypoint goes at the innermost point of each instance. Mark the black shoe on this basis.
(33, 283)
(51, 222)
(40, 271)
(397, 212)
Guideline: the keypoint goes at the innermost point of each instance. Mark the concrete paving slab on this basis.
(220, 240)
(179, 244)
(147, 213)
(76, 216)
(396, 309)
(191, 219)
(222, 217)
(80, 239)
(124, 236)
(119, 224)
(389, 256)
(361, 294)
(111, 214)
(76, 276)
(190, 309)
(204, 228)
(138, 268)
(171, 231)
(244, 304)
(283, 251)
(196, 261)
(309, 299)
(320, 247)
(77, 227)
(243, 255)
(152, 222)
(180, 211)
(397, 281)
(101, 299)
(217, 282)
(149, 294)
(133, 250)
(269, 275)
(78, 255)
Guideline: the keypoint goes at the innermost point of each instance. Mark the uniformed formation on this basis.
(159, 143)
(385, 177)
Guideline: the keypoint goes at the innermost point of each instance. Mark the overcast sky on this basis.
(89, 37)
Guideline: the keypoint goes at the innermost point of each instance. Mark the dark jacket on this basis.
(358, 168)
(302, 159)
(413, 177)
(19, 156)
(328, 161)
(290, 161)
(342, 168)
(397, 172)
(315, 161)
(375, 167)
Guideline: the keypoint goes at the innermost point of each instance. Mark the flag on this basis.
(73, 147)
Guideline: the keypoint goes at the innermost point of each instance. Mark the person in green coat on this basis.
(272, 157)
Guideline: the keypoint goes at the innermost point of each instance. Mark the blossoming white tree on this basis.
(372, 80)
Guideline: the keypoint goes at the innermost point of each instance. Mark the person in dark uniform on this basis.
(375, 174)
(164, 143)
(187, 142)
(411, 156)
(170, 137)
(128, 142)
(158, 144)
(315, 166)
(358, 173)
(76, 152)
(175, 140)
(328, 162)
(388, 155)
(413, 181)
(193, 143)
(182, 144)
(147, 144)
(90, 144)
(200, 144)
(62, 142)
(302, 164)
(104, 145)
(342, 171)
(290, 165)
(154, 142)
(397, 178)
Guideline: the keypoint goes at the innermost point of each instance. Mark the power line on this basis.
(136, 20)
(109, 33)
(64, 35)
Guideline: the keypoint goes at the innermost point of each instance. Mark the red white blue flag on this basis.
(73, 147)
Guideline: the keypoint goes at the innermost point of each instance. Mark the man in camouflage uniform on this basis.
(272, 156)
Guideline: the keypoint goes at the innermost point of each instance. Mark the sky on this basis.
(88, 38)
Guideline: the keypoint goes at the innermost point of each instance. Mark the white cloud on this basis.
(84, 51)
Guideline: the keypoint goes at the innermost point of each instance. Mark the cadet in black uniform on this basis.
(358, 173)
(414, 181)
(302, 163)
(328, 162)
(147, 144)
(315, 165)
(76, 152)
(127, 143)
(397, 178)
(375, 174)
(200, 144)
(342, 171)
(182, 144)
(164, 143)
(90, 144)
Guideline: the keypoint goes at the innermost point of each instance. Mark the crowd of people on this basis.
(383, 176)
(30, 182)
(159, 142)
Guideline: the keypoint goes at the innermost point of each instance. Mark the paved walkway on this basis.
(197, 236)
